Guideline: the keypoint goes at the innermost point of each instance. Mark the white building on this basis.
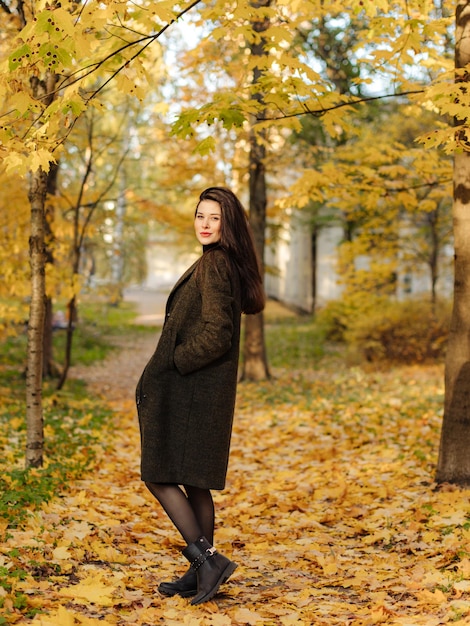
(288, 263)
(289, 269)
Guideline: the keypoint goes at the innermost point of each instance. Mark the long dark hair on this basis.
(236, 238)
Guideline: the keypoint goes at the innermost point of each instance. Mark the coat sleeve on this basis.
(213, 337)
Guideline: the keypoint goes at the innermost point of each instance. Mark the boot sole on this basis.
(225, 575)
(184, 594)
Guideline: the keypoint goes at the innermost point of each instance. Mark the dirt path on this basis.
(116, 377)
(329, 512)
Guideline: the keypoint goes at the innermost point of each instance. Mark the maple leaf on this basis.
(93, 590)
(246, 616)
(41, 158)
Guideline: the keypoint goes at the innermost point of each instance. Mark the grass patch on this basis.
(99, 329)
(74, 424)
(108, 318)
(97, 333)
(73, 428)
(73, 421)
(294, 343)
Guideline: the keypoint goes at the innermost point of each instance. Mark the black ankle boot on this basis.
(186, 586)
(212, 568)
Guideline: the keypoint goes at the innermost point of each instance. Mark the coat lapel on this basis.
(187, 274)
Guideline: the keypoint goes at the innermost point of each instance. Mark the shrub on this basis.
(338, 316)
(407, 332)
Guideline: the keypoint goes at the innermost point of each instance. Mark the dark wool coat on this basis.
(186, 394)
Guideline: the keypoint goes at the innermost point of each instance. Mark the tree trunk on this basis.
(454, 459)
(49, 368)
(313, 264)
(434, 256)
(34, 412)
(117, 260)
(254, 349)
(255, 365)
(71, 319)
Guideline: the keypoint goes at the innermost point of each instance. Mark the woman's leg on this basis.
(193, 515)
(203, 506)
(179, 509)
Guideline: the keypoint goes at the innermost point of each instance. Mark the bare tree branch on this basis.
(320, 112)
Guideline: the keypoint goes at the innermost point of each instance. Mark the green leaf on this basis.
(57, 23)
(16, 58)
(52, 55)
(232, 117)
(183, 126)
(205, 146)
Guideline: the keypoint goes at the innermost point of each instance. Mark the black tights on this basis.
(191, 510)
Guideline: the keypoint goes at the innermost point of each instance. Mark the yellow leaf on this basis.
(462, 585)
(293, 619)
(245, 616)
(328, 565)
(62, 617)
(464, 567)
(220, 620)
(14, 162)
(61, 554)
(432, 597)
(41, 158)
(93, 590)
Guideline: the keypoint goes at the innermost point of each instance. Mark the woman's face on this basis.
(208, 221)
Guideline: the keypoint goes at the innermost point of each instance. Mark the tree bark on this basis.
(313, 263)
(255, 364)
(254, 349)
(49, 368)
(42, 89)
(71, 319)
(454, 459)
(37, 251)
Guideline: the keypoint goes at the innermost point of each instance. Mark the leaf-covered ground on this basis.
(330, 511)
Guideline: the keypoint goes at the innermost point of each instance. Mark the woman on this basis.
(186, 394)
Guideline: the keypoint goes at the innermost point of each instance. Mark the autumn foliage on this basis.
(330, 510)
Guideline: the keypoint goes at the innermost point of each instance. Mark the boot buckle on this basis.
(211, 551)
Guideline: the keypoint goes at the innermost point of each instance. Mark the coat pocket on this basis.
(164, 355)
